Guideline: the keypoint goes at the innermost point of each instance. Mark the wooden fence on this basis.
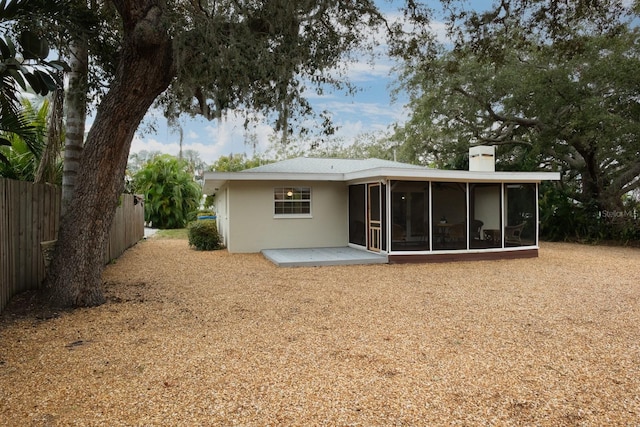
(30, 214)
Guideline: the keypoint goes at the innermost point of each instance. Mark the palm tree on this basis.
(23, 66)
(22, 149)
(170, 191)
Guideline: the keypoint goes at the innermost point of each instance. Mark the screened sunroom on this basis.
(404, 217)
(446, 215)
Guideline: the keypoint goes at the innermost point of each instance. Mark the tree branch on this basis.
(499, 117)
(629, 180)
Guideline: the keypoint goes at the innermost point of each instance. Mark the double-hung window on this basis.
(292, 201)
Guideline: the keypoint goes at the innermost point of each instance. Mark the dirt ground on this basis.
(193, 338)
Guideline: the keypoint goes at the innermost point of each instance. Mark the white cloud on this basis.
(210, 139)
(361, 71)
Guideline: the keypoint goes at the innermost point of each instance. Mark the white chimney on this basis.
(482, 158)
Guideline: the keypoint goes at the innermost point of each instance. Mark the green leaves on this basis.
(27, 64)
(170, 193)
(204, 236)
(22, 141)
(22, 66)
(24, 61)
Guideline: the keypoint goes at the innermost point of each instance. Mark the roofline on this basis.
(215, 180)
(452, 175)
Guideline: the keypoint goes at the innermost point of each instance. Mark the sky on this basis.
(370, 109)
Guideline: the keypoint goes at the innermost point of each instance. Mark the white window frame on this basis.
(293, 189)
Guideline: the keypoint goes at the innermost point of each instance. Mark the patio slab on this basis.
(316, 257)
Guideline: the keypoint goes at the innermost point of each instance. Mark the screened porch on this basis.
(439, 216)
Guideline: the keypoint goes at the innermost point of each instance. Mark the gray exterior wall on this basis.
(246, 217)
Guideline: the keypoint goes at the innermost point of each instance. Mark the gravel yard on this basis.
(193, 338)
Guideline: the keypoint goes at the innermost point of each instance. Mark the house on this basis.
(407, 212)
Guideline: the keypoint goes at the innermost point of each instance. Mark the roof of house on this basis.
(358, 170)
(324, 165)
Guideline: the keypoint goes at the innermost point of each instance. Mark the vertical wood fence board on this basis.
(27, 246)
(27, 226)
(44, 219)
(10, 236)
(56, 218)
(120, 243)
(127, 202)
(14, 233)
(4, 246)
(26, 221)
(123, 225)
(15, 225)
(22, 203)
(3, 238)
(44, 228)
(38, 262)
(19, 220)
(10, 209)
(36, 232)
(15, 219)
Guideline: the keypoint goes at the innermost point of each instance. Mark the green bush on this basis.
(561, 218)
(170, 191)
(203, 235)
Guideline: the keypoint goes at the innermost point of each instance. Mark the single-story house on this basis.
(407, 212)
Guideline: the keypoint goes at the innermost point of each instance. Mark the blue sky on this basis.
(369, 110)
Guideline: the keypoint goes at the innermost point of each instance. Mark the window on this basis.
(485, 215)
(521, 210)
(409, 216)
(449, 215)
(292, 200)
(358, 214)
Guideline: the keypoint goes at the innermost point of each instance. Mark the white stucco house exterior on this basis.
(408, 212)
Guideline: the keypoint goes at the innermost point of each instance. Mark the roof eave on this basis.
(215, 180)
(451, 175)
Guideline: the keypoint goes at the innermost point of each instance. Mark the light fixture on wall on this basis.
(289, 193)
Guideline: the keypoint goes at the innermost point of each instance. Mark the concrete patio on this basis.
(315, 257)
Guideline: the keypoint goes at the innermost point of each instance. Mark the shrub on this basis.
(561, 218)
(203, 235)
(170, 191)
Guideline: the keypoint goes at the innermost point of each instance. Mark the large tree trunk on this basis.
(144, 71)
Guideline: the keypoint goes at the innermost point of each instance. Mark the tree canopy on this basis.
(235, 163)
(552, 84)
(261, 56)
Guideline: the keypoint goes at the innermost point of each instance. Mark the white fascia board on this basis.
(215, 180)
(451, 175)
